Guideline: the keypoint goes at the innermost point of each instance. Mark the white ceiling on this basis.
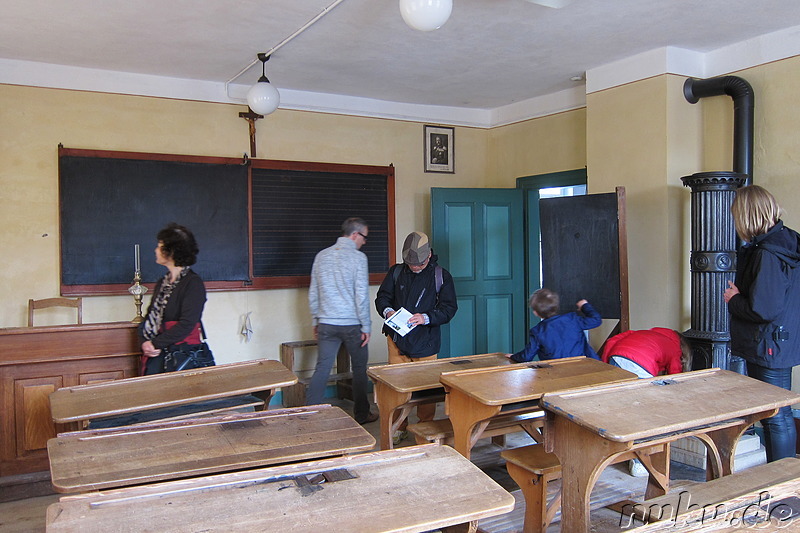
(489, 54)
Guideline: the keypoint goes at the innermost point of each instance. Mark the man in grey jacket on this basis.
(340, 307)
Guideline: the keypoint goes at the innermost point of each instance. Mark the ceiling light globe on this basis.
(426, 15)
(263, 98)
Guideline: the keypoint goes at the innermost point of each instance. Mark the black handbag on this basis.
(188, 356)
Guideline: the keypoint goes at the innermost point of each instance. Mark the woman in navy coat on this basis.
(764, 303)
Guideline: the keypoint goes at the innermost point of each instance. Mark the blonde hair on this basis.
(754, 212)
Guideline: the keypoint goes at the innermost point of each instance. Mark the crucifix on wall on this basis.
(251, 117)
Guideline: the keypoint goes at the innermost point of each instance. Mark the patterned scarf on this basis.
(152, 324)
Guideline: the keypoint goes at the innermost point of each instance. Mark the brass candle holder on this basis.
(137, 290)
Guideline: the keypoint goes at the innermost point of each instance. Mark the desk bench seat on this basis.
(531, 467)
(295, 395)
(242, 403)
(441, 431)
(703, 505)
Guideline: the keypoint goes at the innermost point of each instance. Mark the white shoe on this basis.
(637, 469)
(399, 436)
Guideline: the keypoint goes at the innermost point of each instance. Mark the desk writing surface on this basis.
(410, 377)
(93, 460)
(628, 411)
(130, 395)
(416, 488)
(528, 381)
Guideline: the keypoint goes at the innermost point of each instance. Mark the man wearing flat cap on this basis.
(426, 291)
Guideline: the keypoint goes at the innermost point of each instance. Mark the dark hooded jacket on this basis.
(765, 315)
(417, 293)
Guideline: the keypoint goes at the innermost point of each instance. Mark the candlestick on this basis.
(137, 290)
(136, 255)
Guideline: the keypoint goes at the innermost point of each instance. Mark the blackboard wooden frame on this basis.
(585, 252)
(337, 173)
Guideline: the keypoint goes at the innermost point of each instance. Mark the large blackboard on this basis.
(581, 251)
(298, 213)
(110, 204)
(258, 223)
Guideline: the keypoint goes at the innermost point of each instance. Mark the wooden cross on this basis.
(251, 117)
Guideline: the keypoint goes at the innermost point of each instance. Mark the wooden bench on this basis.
(712, 504)
(162, 392)
(94, 460)
(295, 395)
(411, 489)
(531, 467)
(441, 431)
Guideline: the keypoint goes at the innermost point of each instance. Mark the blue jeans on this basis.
(329, 338)
(780, 435)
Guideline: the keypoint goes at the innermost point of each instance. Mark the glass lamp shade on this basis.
(263, 98)
(426, 15)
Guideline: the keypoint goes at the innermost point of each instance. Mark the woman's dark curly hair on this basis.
(178, 243)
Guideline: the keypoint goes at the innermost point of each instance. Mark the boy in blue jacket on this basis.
(558, 336)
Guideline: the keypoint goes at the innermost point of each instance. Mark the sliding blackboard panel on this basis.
(298, 209)
(109, 203)
(581, 251)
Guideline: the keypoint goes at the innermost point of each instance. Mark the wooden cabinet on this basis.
(36, 361)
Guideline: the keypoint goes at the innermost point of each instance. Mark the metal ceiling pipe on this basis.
(743, 104)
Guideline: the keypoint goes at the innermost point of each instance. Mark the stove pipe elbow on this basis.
(743, 103)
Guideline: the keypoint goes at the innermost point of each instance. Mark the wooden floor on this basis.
(615, 484)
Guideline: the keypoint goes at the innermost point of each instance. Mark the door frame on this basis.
(530, 198)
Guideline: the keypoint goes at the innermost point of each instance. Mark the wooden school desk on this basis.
(117, 457)
(475, 396)
(411, 489)
(402, 386)
(111, 398)
(591, 428)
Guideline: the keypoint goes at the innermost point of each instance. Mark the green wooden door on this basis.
(478, 235)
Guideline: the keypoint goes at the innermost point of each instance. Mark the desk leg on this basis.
(465, 413)
(388, 400)
(657, 465)
(721, 446)
(583, 455)
(265, 396)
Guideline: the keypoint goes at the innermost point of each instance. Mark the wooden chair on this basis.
(77, 303)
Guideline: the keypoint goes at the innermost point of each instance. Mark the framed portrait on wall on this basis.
(439, 154)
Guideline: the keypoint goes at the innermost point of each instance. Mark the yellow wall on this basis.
(642, 135)
(637, 138)
(36, 120)
(538, 146)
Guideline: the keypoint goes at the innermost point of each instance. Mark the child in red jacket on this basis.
(649, 352)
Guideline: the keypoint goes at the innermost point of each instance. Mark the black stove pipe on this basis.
(743, 97)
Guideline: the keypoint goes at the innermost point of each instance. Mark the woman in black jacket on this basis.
(173, 317)
(764, 303)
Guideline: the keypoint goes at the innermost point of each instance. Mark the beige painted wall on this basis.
(643, 136)
(35, 120)
(539, 146)
(636, 139)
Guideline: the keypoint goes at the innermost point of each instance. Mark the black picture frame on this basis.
(439, 143)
